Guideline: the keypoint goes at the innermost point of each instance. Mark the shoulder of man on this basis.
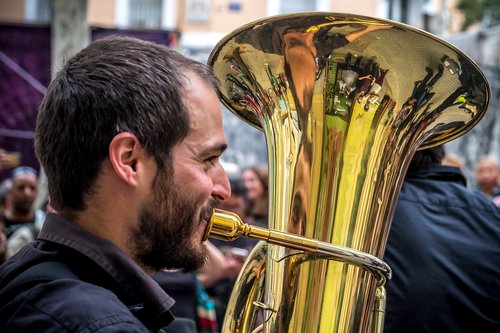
(67, 305)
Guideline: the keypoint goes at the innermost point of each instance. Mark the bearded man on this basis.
(129, 135)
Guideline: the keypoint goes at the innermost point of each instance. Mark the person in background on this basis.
(20, 210)
(235, 252)
(237, 202)
(255, 180)
(488, 176)
(129, 135)
(22, 220)
(443, 248)
(5, 188)
(454, 160)
(189, 289)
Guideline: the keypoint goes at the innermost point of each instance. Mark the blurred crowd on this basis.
(202, 295)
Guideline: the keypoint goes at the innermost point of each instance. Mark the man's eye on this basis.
(212, 160)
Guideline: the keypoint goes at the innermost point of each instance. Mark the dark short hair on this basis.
(23, 170)
(116, 84)
(426, 157)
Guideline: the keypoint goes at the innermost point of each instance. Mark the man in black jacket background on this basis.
(444, 250)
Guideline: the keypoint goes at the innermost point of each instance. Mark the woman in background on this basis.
(255, 179)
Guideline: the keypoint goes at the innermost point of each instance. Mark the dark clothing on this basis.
(112, 295)
(259, 219)
(496, 191)
(182, 287)
(444, 250)
(13, 226)
(221, 291)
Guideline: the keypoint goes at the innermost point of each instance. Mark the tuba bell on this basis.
(344, 102)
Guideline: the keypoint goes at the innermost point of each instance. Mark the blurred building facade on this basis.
(201, 23)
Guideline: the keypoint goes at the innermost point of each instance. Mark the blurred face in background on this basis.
(253, 185)
(23, 192)
(487, 173)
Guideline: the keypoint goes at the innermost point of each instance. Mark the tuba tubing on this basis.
(228, 226)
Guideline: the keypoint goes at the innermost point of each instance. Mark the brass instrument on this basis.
(344, 102)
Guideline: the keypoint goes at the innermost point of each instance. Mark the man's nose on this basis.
(222, 187)
(28, 191)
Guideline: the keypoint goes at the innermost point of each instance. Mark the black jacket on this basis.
(444, 250)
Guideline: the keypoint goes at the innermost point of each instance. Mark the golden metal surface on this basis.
(248, 290)
(378, 314)
(344, 102)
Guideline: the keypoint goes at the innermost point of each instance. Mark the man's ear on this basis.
(125, 151)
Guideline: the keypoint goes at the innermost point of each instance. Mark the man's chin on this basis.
(196, 260)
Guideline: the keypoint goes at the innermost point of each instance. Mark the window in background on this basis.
(38, 11)
(297, 6)
(145, 14)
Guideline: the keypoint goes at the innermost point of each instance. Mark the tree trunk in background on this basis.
(70, 34)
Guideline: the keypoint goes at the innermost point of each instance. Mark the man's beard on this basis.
(167, 225)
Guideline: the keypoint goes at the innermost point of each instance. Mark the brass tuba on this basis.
(344, 102)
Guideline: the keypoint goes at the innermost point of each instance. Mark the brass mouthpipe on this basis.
(228, 226)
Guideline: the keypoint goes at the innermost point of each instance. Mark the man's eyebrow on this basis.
(215, 149)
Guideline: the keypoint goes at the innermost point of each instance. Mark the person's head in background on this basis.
(426, 157)
(255, 179)
(487, 174)
(129, 135)
(454, 160)
(22, 194)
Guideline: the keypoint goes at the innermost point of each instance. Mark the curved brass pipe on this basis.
(228, 226)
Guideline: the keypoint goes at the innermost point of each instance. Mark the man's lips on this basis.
(206, 215)
(204, 224)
